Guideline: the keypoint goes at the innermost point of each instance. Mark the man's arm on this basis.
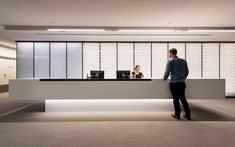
(167, 71)
(186, 70)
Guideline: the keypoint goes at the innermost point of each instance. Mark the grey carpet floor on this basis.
(118, 134)
(31, 127)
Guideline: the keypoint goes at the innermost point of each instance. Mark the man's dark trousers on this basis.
(178, 93)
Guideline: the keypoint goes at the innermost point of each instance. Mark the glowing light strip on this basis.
(76, 30)
(7, 44)
(107, 100)
(139, 30)
(77, 105)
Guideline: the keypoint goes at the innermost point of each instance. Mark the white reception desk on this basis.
(36, 89)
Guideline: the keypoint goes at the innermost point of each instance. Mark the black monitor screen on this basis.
(123, 74)
(97, 74)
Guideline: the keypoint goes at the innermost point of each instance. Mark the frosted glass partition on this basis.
(41, 57)
(210, 61)
(91, 58)
(58, 60)
(25, 60)
(74, 60)
(108, 60)
(227, 68)
(125, 56)
(143, 58)
(193, 57)
(180, 48)
(159, 59)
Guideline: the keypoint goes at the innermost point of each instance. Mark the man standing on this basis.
(177, 68)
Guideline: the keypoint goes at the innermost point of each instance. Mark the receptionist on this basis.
(136, 73)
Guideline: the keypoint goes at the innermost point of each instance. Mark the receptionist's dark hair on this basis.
(136, 66)
(173, 51)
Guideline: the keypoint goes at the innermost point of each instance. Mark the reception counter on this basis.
(41, 89)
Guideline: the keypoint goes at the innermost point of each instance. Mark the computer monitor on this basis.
(97, 74)
(123, 74)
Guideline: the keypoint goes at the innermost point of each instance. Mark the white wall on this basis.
(7, 66)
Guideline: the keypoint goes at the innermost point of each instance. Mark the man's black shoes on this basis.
(187, 117)
(175, 116)
(178, 117)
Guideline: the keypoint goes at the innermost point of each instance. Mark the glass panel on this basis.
(24, 60)
(108, 60)
(41, 63)
(125, 56)
(74, 60)
(227, 68)
(143, 58)
(210, 60)
(193, 57)
(90, 58)
(180, 49)
(58, 60)
(159, 60)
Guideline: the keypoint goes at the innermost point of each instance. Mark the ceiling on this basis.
(116, 13)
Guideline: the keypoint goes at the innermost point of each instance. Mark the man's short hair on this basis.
(173, 51)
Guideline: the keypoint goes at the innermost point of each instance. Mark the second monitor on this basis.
(97, 74)
(123, 74)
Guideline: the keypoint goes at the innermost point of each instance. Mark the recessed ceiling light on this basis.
(76, 30)
(146, 30)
